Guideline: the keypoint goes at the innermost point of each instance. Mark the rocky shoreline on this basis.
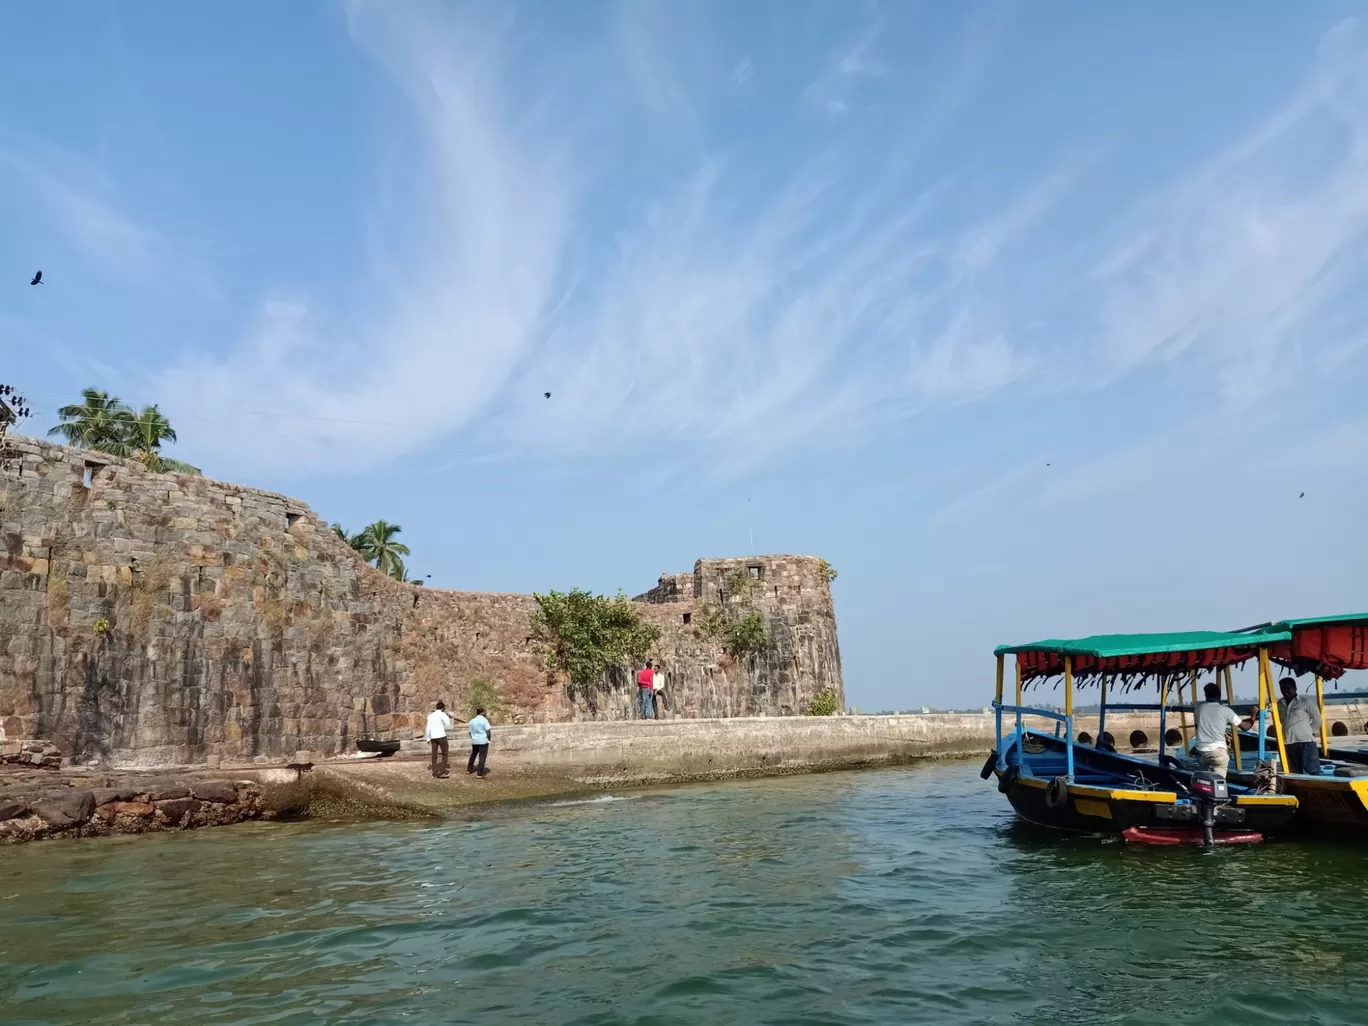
(36, 806)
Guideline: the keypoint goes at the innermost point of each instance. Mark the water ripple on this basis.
(907, 896)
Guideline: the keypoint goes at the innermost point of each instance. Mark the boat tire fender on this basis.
(988, 766)
(1008, 778)
(1057, 794)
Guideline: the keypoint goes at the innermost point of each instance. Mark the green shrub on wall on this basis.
(741, 637)
(823, 703)
(485, 694)
(746, 636)
(584, 634)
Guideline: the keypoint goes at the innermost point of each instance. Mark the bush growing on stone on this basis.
(741, 637)
(485, 694)
(586, 633)
(746, 636)
(823, 703)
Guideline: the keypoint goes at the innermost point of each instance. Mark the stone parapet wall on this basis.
(681, 749)
(159, 619)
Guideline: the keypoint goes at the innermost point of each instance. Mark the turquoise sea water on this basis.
(900, 896)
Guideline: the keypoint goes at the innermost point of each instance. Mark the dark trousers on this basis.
(1303, 757)
(477, 752)
(440, 746)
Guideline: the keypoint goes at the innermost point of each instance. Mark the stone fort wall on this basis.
(161, 619)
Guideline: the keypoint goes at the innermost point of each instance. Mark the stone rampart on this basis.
(158, 619)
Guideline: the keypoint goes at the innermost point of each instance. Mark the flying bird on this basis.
(37, 279)
(1302, 495)
(547, 395)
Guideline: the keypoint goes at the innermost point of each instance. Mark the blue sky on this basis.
(1033, 319)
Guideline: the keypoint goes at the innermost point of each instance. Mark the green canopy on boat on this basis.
(1141, 656)
(1340, 619)
(1115, 646)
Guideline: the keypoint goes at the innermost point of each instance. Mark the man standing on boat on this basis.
(438, 723)
(1212, 720)
(1301, 724)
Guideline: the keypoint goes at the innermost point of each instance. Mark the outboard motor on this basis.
(1208, 791)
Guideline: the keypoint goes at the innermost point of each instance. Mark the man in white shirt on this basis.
(438, 723)
(657, 686)
(1301, 724)
(1212, 720)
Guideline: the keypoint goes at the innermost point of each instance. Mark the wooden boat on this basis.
(1334, 801)
(1056, 781)
(384, 749)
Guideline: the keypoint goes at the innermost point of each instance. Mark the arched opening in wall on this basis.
(1173, 737)
(1139, 739)
(1339, 729)
(1085, 738)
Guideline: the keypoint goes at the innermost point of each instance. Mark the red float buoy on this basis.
(1187, 835)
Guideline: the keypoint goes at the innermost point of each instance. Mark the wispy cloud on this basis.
(84, 206)
(743, 326)
(722, 315)
(467, 290)
(1257, 257)
(851, 65)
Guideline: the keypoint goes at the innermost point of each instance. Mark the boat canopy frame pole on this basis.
(1320, 704)
(1230, 698)
(1016, 659)
(1263, 717)
(1102, 710)
(1267, 674)
(1068, 713)
(997, 712)
(1163, 715)
(1182, 709)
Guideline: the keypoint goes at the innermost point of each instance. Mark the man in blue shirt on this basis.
(479, 742)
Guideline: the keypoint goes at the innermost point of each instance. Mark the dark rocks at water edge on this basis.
(30, 754)
(130, 809)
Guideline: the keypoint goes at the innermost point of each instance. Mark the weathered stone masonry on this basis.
(158, 619)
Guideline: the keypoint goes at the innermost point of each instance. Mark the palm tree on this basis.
(107, 424)
(341, 532)
(143, 436)
(98, 423)
(377, 545)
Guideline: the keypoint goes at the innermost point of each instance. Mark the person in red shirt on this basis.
(646, 692)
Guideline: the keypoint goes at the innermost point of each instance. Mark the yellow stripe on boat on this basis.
(1359, 785)
(1121, 794)
(1265, 799)
(1089, 807)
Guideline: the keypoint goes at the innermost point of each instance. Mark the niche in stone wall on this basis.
(291, 519)
(756, 571)
(688, 618)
